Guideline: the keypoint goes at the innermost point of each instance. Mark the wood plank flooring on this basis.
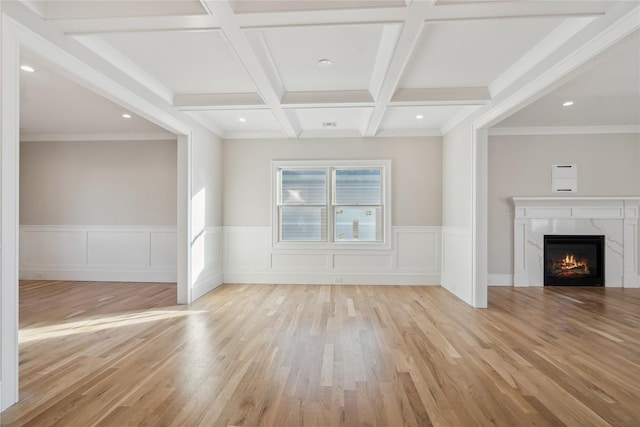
(118, 354)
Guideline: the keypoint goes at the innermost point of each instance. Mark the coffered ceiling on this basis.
(255, 68)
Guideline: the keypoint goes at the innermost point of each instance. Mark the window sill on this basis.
(331, 246)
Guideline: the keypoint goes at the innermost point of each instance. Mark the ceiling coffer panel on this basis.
(186, 61)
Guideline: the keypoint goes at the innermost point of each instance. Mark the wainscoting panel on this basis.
(417, 248)
(414, 259)
(456, 262)
(52, 247)
(206, 255)
(100, 253)
(164, 248)
(300, 262)
(362, 262)
(246, 247)
(123, 248)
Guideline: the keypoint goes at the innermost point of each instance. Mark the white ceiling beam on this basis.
(466, 11)
(218, 101)
(102, 48)
(442, 96)
(470, 11)
(336, 98)
(388, 42)
(257, 62)
(322, 17)
(439, 13)
(558, 67)
(409, 37)
(545, 47)
(136, 24)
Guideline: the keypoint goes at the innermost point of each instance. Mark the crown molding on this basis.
(565, 130)
(398, 133)
(254, 135)
(86, 137)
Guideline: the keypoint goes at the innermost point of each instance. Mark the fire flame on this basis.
(569, 262)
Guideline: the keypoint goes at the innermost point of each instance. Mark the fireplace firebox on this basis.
(573, 260)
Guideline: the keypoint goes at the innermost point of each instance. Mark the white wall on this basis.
(608, 165)
(206, 215)
(98, 210)
(456, 213)
(414, 257)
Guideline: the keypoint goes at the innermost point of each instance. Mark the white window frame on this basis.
(329, 165)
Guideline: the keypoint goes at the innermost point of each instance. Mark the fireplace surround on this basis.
(615, 218)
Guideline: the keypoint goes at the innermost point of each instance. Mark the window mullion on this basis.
(330, 205)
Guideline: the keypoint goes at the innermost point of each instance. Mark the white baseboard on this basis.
(100, 275)
(207, 285)
(332, 279)
(500, 280)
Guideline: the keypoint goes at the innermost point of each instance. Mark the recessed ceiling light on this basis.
(329, 124)
(126, 116)
(27, 68)
(242, 119)
(419, 116)
(567, 103)
(325, 63)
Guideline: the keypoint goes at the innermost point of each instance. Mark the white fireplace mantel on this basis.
(614, 217)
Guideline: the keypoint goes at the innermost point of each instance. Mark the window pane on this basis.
(304, 187)
(358, 186)
(360, 224)
(303, 224)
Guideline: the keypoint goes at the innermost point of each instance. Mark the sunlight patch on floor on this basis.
(98, 324)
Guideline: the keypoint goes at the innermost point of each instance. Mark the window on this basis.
(328, 202)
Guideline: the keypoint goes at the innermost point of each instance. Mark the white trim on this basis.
(183, 217)
(399, 133)
(398, 279)
(480, 215)
(565, 130)
(9, 193)
(139, 136)
(101, 275)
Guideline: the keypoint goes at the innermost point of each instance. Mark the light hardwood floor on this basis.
(118, 354)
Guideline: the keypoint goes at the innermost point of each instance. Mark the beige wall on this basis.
(416, 176)
(98, 183)
(608, 165)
